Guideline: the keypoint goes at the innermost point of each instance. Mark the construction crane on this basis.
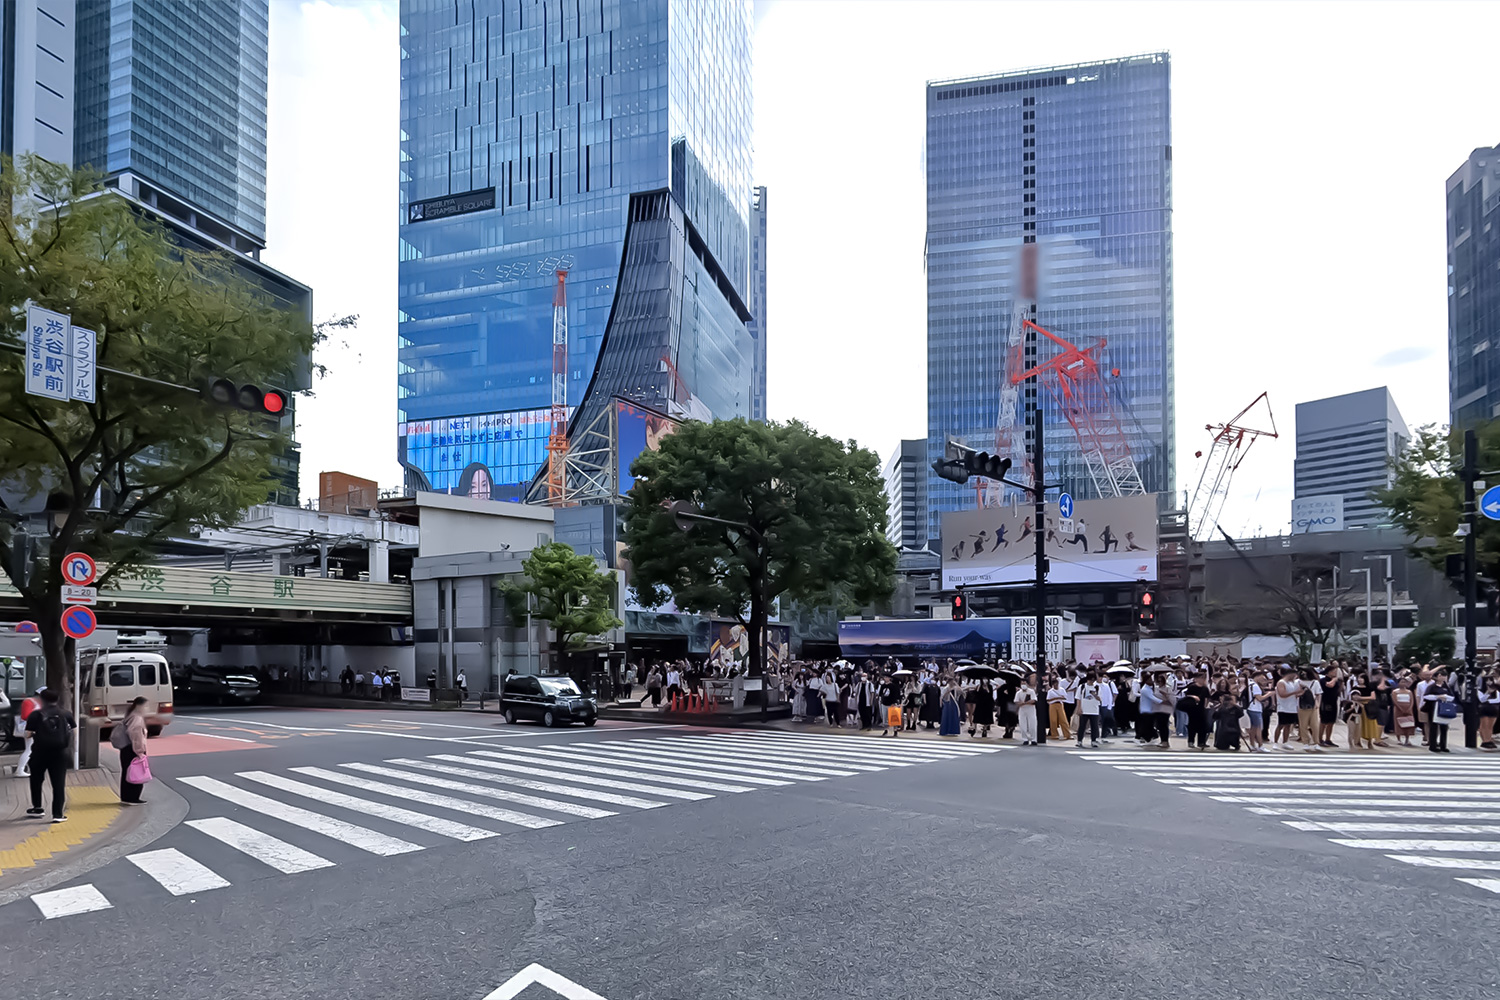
(557, 444)
(1231, 443)
(1010, 435)
(1072, 378)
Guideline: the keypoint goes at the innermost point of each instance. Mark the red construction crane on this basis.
(1072, 377)
(557, 444)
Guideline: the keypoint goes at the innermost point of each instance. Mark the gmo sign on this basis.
(1321, 513)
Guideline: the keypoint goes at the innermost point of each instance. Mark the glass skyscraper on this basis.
(610, 139)
(175, 94)
(1474, 290)
(758, 301)
(1077, 160)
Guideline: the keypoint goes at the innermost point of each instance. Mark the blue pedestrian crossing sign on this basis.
(1489, 504)
(1065, 504)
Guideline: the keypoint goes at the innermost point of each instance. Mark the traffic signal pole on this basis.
(1471, 579)
(1038, 488)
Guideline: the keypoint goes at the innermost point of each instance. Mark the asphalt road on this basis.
(1017, 873)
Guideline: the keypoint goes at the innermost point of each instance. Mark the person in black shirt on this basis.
(1329, 687)
(1227, 722)
(1195, 702)
(51, 731)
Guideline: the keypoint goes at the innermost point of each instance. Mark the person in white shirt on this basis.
(1107, 708)
(1057, 716)
(674, 682)
(1026, 710)
(1070, 680)
(1089, 701)
(376, 683)
(1424, 709)
(1288, 692)
(462, 683)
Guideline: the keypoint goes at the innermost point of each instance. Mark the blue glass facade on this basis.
(1474, 289)
(176, 93)
(612, 140)
(1078, 160)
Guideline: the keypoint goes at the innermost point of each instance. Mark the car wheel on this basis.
(548, 719)
(153, 731)
(510, 717)
(590, 722)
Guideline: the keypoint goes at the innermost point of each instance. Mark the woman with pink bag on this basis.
(135, 771)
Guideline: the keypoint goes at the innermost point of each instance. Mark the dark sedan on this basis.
(552, 701)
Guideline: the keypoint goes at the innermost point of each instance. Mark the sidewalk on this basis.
(36, 853)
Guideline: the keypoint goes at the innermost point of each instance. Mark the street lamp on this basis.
(1369, 598)
(1390, 630)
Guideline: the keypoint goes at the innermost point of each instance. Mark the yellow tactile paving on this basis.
(90, 812)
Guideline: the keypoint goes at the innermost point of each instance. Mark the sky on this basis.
(1311, 145)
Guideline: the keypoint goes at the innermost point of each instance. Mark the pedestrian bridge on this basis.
(168, 595)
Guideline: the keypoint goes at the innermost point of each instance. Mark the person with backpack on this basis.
(129, 737)
(28, 705)
(51, 731)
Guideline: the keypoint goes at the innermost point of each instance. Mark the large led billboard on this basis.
(1105, 541)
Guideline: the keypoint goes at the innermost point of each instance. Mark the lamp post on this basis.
(1390, 629)
(1369, 636)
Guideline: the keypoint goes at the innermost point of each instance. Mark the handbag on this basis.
(139, 771)
(1447, 710)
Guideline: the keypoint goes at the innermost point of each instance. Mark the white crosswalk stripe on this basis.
(530, 787)
(1419, 812)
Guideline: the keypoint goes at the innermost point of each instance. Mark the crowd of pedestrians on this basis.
(1251, 705)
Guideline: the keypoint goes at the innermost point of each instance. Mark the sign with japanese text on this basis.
(81, 365)
(47, 352)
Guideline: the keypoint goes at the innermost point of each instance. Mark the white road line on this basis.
(887, 745)
(592, 794)
(1407, 784)
(444, 725)
(772, 763)
(585, 760)
(426, 798)
(432, 824)
(1446, 828)
(176, 872)
(644, 759)
(1488, 884)
(852, 751)
(1406, 846)
(348, 833)
(348, 732)
(215, 736)
(263, 847)
(67, 902)
(1304, 787)
(774, 749)
(1376, 813)
(1343, 800)
(1462, 864)
(505, 762)
(569, 808)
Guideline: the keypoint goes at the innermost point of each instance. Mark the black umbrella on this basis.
(979, 670)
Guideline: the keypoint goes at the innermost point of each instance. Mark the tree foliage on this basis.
(569, 591)
(146, 461)
(1425, 497)
(815, 508)
(1426, 644)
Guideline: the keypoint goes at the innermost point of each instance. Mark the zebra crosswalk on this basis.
(257, 823)
(1419, 812)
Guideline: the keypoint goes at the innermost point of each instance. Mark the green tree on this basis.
(147, 461)
(1425, 497)
(1426, 644)
(814, 510)
(570, 593)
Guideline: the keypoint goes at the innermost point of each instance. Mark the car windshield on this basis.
(559, 685)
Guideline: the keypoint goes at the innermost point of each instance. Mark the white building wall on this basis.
(42, 71)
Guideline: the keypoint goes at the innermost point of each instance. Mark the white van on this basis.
(112, 679)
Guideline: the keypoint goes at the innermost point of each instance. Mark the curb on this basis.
(166, 811)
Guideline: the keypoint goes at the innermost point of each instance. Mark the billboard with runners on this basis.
(1105, 541)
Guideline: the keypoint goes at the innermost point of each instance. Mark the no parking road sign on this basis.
(79, 569)
(78, 622)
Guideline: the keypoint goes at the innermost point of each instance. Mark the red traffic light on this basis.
(273, 402)
(960, 608)
(250, 398)
(1146, 599)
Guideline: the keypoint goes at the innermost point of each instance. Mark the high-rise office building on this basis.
(604, 138)
(1076, 160)
(906, 495)
(37, 70)
(757, 322)
(1474, 289)
(168, 101)
(174, 94)
(1344, 447)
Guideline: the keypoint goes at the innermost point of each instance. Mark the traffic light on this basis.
(960, 607)
(250, 398)
(1145, 613)
(960, 462)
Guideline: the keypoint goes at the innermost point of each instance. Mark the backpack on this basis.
(51, 729)
(1306, 700)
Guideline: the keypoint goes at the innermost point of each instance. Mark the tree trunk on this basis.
(757, 633)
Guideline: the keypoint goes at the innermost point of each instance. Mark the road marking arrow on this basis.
(540, 975)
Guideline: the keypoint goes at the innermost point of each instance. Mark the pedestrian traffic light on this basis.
(1145, 614)
(960, 607)
(250, 398)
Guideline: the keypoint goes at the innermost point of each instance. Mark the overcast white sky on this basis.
(1311, 143)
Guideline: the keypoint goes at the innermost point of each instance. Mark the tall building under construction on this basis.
(1077, 160)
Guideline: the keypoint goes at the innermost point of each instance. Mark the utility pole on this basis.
(1369, 617)
(1471, 582)
(1038, 491)
(1390, 625)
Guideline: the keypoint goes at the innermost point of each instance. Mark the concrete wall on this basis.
(453, 524)
(293, 658)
